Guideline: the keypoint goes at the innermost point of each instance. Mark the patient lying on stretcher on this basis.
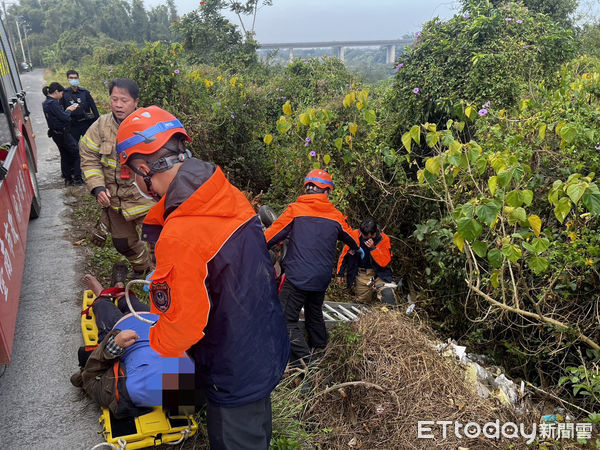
(124, 373)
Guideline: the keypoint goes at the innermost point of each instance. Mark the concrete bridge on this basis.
(339, 46)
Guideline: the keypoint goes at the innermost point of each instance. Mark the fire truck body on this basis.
(19, 192)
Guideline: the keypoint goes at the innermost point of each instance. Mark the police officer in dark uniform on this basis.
(59, 121)
(87, 113)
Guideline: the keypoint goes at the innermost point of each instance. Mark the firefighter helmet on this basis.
(146, 131)
(319, 178)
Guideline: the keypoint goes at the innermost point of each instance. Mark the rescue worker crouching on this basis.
(213, 288)
(111, 183)
(375, 264)
(312, 226)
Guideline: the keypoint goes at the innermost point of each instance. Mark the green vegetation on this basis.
(480, 158)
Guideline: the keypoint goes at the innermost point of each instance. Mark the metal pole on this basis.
(5, 18)
(25, 26)
(20, 40)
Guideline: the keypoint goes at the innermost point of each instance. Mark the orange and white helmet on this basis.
(319, 178)
(145, 131)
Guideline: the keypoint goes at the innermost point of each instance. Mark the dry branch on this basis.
(524, 313)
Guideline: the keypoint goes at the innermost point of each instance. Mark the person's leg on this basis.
(313, 319)
(244, 427)
(292, 301)
(65, 169)
(364, 294)
(127, 242)
(106, 314)
(135, 303)
(78, 129)
(74, 159)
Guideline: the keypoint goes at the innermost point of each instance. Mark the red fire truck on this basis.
(19, 192)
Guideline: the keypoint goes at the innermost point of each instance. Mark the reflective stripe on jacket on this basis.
(100, 167)
(313, 226)
(215, 288)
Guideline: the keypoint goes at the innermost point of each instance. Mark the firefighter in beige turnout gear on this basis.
(112, 184)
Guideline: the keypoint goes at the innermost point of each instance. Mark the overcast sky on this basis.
(314, 20)
(336, 20)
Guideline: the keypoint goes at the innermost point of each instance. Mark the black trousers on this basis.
(292, 301)
(78, 129)
(246, 427)
(107, 314)
(70, 163)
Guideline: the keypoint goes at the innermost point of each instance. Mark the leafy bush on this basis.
(487, 54)
(523, 216)
(209, 38)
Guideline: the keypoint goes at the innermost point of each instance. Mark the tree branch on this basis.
(524, 313)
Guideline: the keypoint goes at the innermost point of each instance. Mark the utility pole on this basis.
(10, 36)
(25, 27)
(20, 40)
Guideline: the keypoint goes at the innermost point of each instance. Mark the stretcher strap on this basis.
(110, 293)
(116, 372)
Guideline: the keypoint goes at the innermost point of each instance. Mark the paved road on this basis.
(39, 409)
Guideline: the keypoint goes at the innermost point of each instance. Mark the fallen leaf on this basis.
(79, 242)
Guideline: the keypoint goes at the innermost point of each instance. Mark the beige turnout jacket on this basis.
(101, 167)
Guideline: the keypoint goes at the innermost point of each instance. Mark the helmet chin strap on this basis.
(168, 162)
(148, 181)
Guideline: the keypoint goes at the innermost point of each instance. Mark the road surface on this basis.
(39, 409)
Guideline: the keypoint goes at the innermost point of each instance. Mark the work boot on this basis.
(68, 182)
(78, 182)
(119, 273)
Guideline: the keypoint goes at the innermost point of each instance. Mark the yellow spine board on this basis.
(88, 321)
(153, 428)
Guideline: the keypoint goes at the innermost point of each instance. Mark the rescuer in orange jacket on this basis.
(213, 287)
(312, 226)
(375, 264)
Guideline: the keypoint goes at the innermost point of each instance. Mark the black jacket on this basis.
(87, 110)
(57, 118)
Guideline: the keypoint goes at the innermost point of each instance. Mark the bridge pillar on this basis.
(390, 55)
(339, 52)
(291, 54)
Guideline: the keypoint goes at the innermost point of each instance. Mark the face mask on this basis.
(74, 82)
(142, 193)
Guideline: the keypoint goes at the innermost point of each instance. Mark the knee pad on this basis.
(122, 246)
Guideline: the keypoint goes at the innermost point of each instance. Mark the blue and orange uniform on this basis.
(374, 265)
(213, 287)
(377, 258)
(312, 226)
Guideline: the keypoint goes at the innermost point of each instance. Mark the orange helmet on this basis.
(145, 131)
(319, 178)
